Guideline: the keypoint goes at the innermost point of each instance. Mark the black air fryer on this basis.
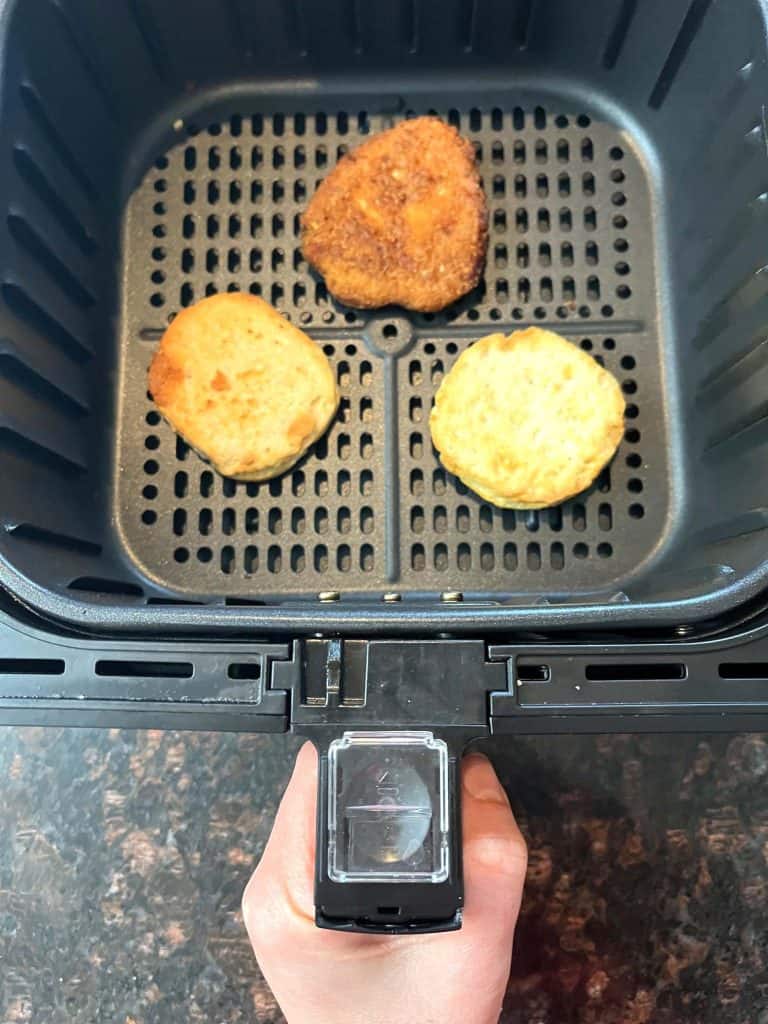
(158, 151)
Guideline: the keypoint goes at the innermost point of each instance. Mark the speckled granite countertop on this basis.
(123, 857)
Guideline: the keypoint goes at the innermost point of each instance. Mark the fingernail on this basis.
(480, 780)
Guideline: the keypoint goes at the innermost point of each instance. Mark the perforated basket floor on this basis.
(371, 510)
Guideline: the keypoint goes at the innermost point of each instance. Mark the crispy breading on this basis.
(527, 420)
(402, 219)
(242, 386)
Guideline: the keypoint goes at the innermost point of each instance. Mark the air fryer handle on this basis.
(388, 855)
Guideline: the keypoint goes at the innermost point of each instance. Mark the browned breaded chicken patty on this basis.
(402, 219)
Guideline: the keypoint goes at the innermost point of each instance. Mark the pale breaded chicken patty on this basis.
(402, 219)
(527, 420)
(242, 386)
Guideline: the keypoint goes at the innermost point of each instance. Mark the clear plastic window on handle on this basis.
(388, 817)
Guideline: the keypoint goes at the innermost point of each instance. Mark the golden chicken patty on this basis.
(242, 386)
(402, 219)
(527, 420)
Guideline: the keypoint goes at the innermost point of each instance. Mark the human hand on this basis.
(327, 977)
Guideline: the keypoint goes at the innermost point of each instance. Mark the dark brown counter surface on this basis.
(123, 857)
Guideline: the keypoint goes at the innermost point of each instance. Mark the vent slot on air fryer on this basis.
(755, 670)
(533, 673)
(635, 673)
(32, 666)
(145, 669)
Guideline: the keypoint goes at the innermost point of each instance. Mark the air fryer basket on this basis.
(158, 152)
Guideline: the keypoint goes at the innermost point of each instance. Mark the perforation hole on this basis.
(533, 557)
(344, 520)
(418, 558)
(464, 557)
(206, 484)
(510, 557)
(579, 517)
(274, 559)
(557, 556)
(487, 557)
(320, 558)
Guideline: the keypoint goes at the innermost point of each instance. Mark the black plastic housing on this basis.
(156, 152)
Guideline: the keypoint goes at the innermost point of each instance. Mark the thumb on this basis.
(495, 854)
